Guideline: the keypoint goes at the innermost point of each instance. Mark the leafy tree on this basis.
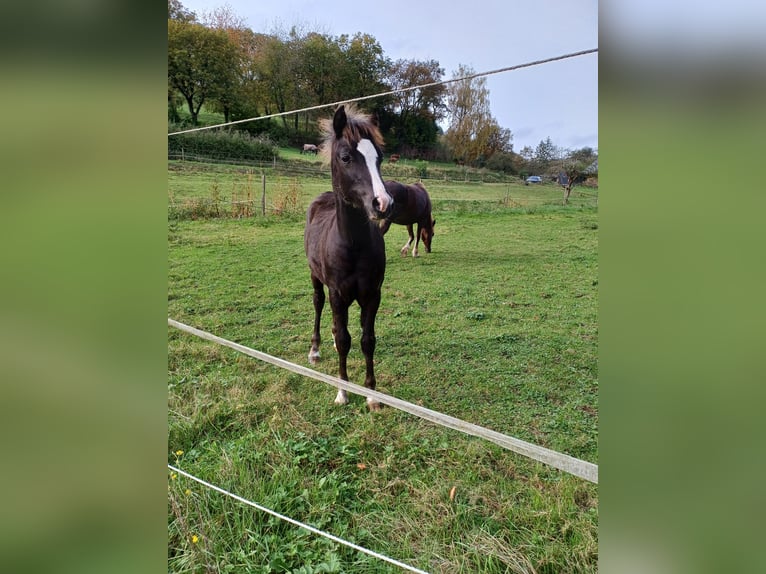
(176, 11)
(414, 114)
(202, 63)
(174, 100)
(362, 71)
(575, 164)
(319, 69)
(500, 140)
(545, 153)
(584, 155)
(278, 66)
(364, 65)
(507, 162)
(252, 90)
(527, 153)
(573, 169)
(231, 99)
(409, 73)
(502, 157)
(224, 18)
(299, 68)
(473, 134)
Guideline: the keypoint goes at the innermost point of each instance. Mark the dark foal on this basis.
(344, 246)
(411, 205)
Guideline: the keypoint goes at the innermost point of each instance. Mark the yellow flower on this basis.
(195, 539)
(179, 452)
(187, 492)
(173, 476)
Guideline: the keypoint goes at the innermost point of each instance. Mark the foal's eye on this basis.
(345, 158)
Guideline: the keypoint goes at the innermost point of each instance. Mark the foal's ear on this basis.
(339, 121)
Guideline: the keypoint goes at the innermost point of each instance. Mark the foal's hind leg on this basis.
(316, 339)
(407, 245)
(417, 242)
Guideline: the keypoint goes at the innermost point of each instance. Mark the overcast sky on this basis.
(557, 100)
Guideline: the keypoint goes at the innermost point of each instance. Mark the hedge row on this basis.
(422, 169)
(221, 143)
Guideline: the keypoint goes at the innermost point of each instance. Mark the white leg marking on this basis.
(373, 405)
(341, 398)
(313, 357)
(370, 154)
(405, 248)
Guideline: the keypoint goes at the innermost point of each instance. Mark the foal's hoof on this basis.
(313, 357)
(374, 405)
(341, 398)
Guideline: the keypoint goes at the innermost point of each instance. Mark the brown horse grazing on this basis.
(411, 205)
(344, 246)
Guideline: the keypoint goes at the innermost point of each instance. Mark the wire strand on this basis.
(574, 466)
(297, 523)
(399, 90)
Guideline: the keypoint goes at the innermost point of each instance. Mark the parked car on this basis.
(533, 179)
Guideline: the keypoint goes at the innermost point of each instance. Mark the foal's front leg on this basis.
(367, 316)
(342, 339)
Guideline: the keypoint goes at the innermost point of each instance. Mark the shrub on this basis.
(287, 198)
(221, 144)
(501, 162)
(422, 168)
(195, 208)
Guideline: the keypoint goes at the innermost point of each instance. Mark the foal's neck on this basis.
(353, 223)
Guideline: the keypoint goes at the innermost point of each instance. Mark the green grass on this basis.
(497, 326)
(193, 185)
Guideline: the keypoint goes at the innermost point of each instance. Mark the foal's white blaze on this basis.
(366, 148)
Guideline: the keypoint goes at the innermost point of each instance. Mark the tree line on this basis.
(216, 61)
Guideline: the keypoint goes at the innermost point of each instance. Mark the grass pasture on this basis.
(497, 326)
(203, 189)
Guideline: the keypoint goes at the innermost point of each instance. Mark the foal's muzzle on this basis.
(379, 213)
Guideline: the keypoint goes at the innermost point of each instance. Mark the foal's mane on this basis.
(359, 125)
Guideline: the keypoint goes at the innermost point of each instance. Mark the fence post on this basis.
(263, 195)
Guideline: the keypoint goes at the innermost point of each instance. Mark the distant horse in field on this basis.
(345, 249)
(393, 158)
(310, 148)
(411, 205)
